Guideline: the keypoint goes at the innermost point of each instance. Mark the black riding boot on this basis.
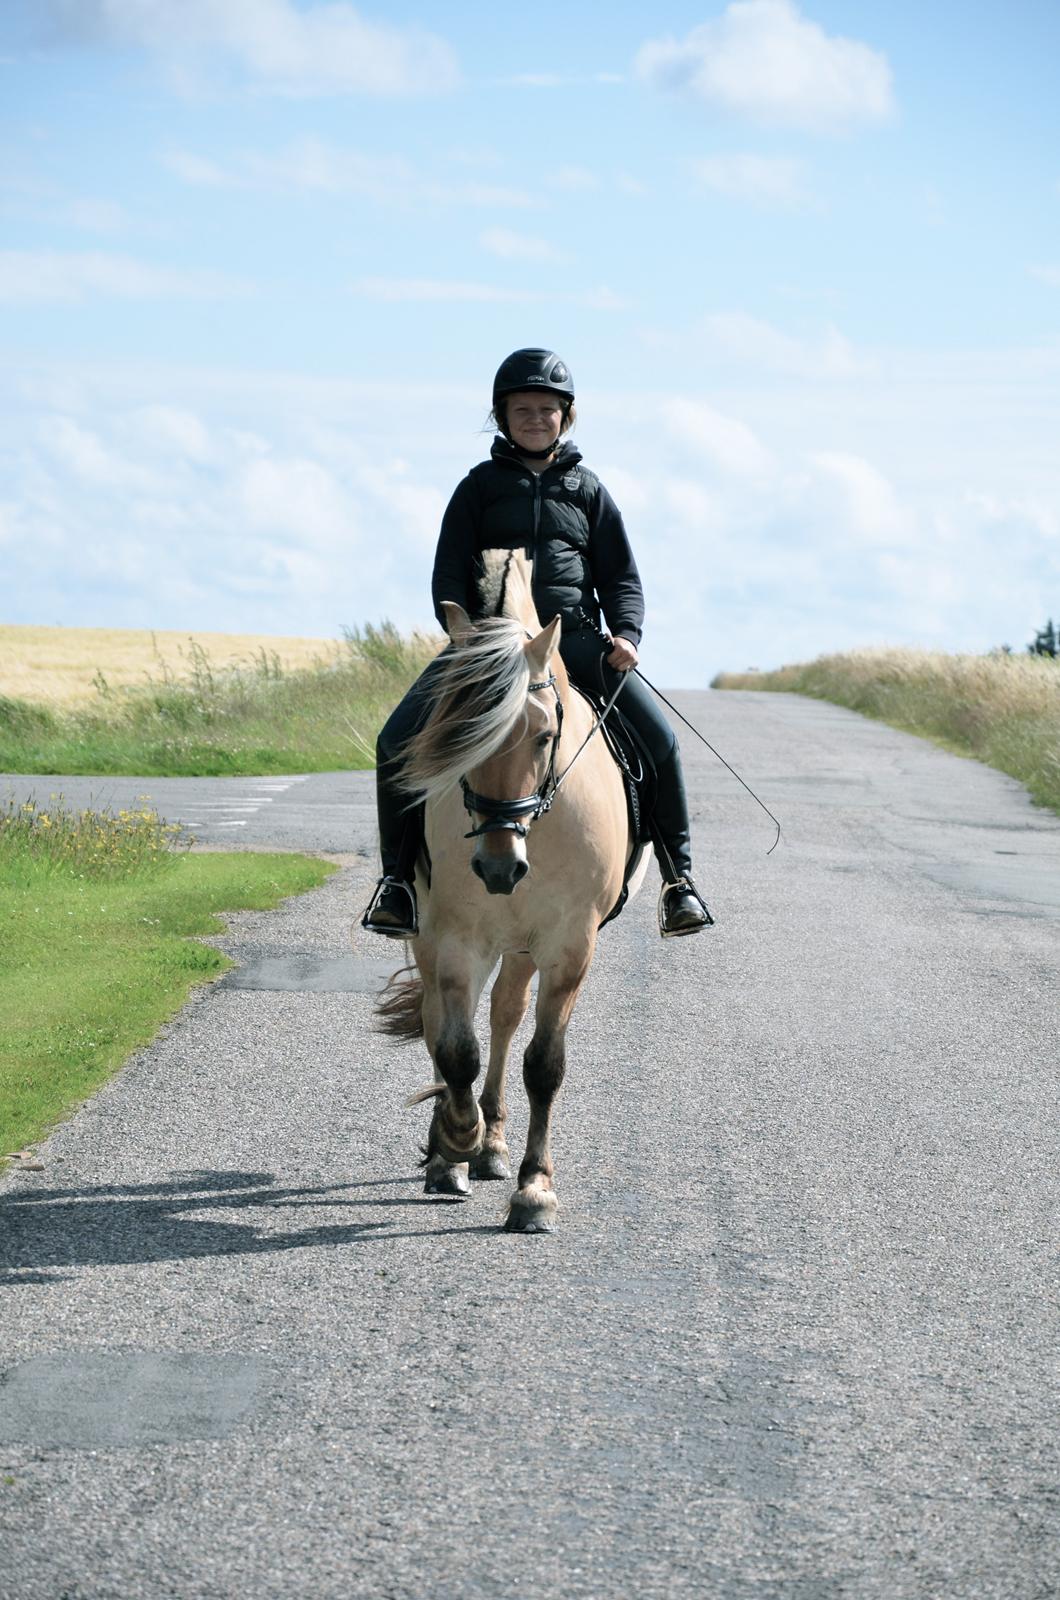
(682, 908)
(393, 911)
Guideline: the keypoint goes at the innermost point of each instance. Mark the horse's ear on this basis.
(540, 651)
(457, 621)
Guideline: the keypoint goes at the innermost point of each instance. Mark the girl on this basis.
(534, 492)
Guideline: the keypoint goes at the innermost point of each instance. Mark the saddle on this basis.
(634, 762)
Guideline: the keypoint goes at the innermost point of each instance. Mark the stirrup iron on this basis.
(686, 886)
(413, 928)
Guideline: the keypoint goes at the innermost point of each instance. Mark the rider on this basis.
(534, 493)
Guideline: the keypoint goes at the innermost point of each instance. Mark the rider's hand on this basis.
(623, 655)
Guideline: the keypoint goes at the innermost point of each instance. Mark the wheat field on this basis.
(59, 667)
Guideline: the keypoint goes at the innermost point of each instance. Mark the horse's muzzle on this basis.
(500, 874)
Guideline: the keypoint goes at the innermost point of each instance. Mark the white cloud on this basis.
(728, 443)
(184, 164)
(398, 289)
(898, 508)
(317, 49)
(1049, 275)
(574, 179)
(298, 500)
(512, 246)
(756, 344)
(172, 428)
(763, 59)
(763, 180)
(312, 165)
(54, 275)
(867, 503)
(81, 452)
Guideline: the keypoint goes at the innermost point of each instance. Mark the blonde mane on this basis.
(481, 685)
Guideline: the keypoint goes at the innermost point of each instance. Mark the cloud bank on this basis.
(274, 44)
(763, 59)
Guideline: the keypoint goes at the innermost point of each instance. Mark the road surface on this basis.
(795, 1335)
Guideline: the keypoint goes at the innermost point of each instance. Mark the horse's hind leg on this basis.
(533, 1205)
(508, 1003)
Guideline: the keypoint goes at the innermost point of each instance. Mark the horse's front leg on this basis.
(508, 1002)
(452, 985)
(533, 1205)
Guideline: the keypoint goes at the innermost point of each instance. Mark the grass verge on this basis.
(237, 720)
(1002, 709)
(98, 915)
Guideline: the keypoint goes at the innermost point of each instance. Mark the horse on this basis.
(510, 744)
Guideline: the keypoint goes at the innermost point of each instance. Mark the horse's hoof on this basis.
(490, 1164)
(516, 1222)
(531, 1213)
(452, 1182)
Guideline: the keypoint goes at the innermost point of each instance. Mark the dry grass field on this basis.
(59, 667)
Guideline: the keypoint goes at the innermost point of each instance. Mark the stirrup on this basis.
(686, 886)
(412, 927)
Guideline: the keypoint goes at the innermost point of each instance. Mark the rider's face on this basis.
(535, 418)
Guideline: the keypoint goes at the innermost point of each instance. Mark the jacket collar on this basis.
(567, 454)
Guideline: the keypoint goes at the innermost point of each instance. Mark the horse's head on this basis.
(507, 791)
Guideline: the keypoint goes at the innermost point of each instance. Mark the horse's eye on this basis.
(544, 739)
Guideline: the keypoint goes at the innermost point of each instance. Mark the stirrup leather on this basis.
(413, 920)
(687, 887)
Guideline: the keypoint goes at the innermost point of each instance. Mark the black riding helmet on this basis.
(531, 368)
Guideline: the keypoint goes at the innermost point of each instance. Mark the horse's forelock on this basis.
(480, 687)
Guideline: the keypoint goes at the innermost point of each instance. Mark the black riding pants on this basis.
(583, 656)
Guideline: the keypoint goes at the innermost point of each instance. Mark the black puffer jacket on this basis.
(569, 526)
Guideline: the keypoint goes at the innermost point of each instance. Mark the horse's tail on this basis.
(399, 1009)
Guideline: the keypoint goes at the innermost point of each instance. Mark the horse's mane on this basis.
(480, 685)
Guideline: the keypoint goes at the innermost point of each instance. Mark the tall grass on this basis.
(237, 719)
(1002, 709)
(85, 844)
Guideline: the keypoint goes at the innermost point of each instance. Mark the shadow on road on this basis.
(45, 1231)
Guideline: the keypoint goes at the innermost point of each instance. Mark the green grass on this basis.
(237, 721)
(1002, 709)
(97, 946)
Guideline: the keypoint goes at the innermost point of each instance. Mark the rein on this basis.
(515, 816)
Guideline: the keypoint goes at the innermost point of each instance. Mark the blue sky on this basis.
(261, 258)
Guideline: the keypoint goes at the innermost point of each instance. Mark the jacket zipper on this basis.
(537, 528)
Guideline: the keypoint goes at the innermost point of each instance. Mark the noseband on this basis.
(507, 816)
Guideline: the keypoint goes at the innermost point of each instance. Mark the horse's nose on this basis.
(500, 874)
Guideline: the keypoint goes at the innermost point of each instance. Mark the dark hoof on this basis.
(452, 1182)
(490, 1164)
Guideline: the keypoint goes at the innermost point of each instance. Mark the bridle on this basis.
(507, 816)
(515, 816)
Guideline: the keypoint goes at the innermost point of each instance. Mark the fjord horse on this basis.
(527, 855)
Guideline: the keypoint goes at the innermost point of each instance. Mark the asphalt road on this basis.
(794, 1338)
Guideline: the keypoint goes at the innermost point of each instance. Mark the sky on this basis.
(259, 260)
